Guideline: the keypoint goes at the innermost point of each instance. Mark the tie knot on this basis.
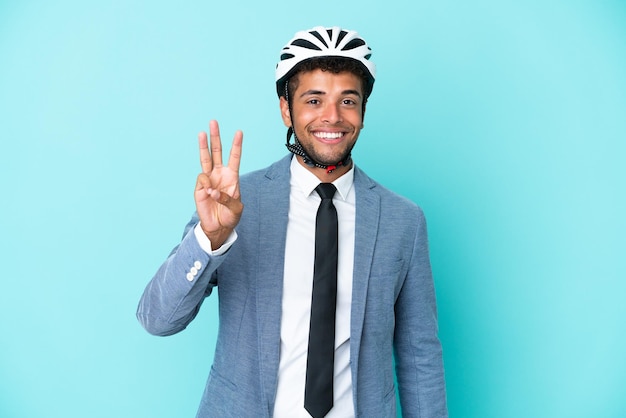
(326, 190)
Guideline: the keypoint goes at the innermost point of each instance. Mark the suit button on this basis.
(190, 277)
(193, 271)
(197, 265)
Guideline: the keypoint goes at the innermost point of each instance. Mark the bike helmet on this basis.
(324, 42)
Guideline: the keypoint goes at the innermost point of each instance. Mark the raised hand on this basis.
(218, 201)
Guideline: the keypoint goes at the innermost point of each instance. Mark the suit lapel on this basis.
(366, 230)
(273, 209)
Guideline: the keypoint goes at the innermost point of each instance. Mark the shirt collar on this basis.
(307, 181)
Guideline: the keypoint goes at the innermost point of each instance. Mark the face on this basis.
(327, 114)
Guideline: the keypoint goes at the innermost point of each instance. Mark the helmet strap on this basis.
(296, 148)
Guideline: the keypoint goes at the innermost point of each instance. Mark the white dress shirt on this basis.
(297, 291)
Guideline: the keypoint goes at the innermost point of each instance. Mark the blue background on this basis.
(505, 120)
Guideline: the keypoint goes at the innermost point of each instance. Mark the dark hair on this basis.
(334, 65)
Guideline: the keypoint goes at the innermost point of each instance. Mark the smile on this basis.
(328, 135)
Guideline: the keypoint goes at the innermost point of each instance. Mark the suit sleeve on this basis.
(418, 352)
(173, 297)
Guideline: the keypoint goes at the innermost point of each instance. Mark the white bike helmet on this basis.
(324, 42)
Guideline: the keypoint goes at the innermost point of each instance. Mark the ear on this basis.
(284, 112)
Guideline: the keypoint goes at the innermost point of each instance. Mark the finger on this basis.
(234, 160)
(203, 182)
(216, 144)
(205, 156)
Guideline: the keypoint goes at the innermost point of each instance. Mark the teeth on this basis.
(328, 135)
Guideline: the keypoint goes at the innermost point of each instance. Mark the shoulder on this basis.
(269, 185)
(389, 200)
(277, 170)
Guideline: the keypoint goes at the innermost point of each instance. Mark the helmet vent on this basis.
(306, 44)
(288, 56)
(355, 43)
(342, 35)
(318, 36)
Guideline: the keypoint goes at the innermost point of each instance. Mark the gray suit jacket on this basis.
(393, 303)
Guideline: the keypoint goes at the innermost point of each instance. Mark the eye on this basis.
(349, 102)
(313, 102)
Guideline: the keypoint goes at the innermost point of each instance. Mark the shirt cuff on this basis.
(205, 243)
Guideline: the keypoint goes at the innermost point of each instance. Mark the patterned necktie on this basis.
(318, 392)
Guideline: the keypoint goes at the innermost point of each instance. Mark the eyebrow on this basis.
(320, 92)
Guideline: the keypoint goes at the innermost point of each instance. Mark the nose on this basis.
(331, 113)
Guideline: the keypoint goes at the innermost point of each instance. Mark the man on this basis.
(271, 278)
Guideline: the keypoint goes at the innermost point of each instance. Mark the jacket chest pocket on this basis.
(386, 278)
